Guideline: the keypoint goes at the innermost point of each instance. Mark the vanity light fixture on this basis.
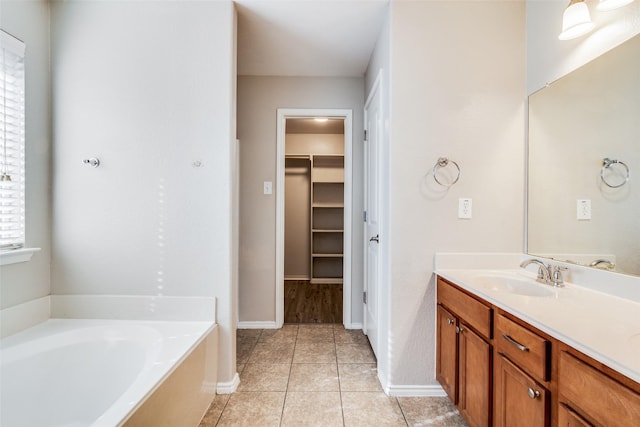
(576, 20)
(606, 5)
(321, 119)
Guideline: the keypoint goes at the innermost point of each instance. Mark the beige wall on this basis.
(457, 90)
(29, 21)
(258, 101)
(297, 219)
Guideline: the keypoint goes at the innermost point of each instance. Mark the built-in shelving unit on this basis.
(327, 218)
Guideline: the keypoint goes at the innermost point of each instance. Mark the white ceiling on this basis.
(307, 37)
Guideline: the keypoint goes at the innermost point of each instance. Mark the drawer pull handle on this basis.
(515, 343)
(533, 393)
(450, 321)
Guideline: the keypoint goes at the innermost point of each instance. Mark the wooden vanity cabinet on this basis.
(447, 351)
(522, 370)
(519, 399)
(464, 353)
(500, 370)
(475, 375)
(568, 418)
(594, 395)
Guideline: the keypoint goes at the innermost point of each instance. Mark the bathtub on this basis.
(106, 373)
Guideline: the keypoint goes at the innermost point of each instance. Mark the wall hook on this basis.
(93, 162)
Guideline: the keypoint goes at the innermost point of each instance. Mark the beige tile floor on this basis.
(317, 375)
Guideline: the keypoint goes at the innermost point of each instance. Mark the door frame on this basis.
(282, 115)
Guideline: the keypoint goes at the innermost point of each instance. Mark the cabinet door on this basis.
(568, 418)
(519, 400)
(446, 349)
(474, 387)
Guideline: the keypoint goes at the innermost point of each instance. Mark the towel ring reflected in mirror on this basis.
(607, 164)
(442, 163)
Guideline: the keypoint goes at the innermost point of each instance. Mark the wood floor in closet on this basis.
(305, 302)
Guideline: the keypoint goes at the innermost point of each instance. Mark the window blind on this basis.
(12, 142)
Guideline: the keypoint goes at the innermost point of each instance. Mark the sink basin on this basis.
(514, 285)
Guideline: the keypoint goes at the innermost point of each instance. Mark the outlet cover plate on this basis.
(583, 209)
(464, 208)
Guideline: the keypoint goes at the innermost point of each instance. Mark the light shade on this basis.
(612, 4)
(576, 20)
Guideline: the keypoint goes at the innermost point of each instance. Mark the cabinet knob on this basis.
(450, 321)
(459, 329)
(533, 393)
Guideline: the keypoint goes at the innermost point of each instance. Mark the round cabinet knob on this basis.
(450, 321)
(533, 393)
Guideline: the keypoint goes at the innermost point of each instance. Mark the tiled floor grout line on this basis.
(286, 390)
(335, 347)
(402, 412)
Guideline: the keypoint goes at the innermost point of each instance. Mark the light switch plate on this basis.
(464, 208)
(268, 187)
(583, 209)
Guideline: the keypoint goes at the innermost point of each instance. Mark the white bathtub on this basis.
(88, 372)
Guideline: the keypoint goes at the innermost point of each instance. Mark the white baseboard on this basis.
(230, 386)
(353, 326)
(415, 391)
(257, 325)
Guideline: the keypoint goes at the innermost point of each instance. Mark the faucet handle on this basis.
(556, 276)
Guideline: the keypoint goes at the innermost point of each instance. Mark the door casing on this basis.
(282, 116)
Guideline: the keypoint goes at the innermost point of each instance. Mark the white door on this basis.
(373, 123)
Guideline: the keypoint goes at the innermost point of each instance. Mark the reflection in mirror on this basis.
(584, 133)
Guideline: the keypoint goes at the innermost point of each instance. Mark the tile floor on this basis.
(317, 375)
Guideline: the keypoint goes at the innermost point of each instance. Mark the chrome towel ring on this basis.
(442, 163)
(608, 163)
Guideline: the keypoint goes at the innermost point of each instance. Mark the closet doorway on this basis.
(313, 236)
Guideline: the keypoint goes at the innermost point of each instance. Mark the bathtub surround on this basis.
(154, 359)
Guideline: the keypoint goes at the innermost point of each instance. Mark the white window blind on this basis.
(12, 144)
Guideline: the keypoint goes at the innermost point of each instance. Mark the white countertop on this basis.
(602, 326)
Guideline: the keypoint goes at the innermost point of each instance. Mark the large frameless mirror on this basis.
(584, 164)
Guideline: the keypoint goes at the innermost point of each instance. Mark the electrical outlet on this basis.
(464, 208)
(583, 207)
(268, 187)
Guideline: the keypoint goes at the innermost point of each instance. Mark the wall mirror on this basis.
(581, 207)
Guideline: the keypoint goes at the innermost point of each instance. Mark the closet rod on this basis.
(297, 156)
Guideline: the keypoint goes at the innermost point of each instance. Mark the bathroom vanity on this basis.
(513, 352)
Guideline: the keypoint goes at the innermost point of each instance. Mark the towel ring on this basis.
(606, 164)
(441, 163)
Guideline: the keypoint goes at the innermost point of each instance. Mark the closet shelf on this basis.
(327, 205)
(327, 218)
(327, 280)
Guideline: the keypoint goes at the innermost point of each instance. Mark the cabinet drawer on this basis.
(528, 350)
(597, 396)
(476, 314)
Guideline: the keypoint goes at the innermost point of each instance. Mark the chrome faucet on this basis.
(544, 275)
(603, 263)
(548, 274)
